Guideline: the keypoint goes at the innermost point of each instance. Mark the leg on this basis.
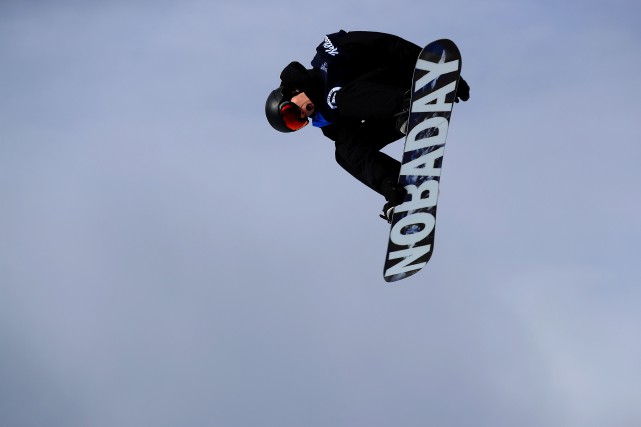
(377, 95)
(358, 148)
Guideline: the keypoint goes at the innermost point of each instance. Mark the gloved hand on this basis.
(463, 91)
(295, 77)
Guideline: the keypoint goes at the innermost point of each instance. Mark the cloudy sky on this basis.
(166, 259)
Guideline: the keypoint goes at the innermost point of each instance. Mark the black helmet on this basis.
(282, 114)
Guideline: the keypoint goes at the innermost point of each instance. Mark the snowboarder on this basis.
(357, 92)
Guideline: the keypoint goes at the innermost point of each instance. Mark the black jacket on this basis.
(360, 80)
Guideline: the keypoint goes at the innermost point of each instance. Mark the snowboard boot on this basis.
(388, 212)
(394, 195)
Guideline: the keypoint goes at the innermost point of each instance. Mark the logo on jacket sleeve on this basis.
(331, 97)
(329, 47)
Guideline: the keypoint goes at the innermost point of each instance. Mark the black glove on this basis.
(295, 77)
(463, 91)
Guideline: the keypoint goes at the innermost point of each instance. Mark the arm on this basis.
(380, 50)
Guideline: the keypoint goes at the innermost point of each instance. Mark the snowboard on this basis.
(411, 238)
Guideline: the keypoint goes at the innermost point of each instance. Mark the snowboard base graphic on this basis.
(411, 239)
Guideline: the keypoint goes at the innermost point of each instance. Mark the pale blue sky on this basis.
(167, 259)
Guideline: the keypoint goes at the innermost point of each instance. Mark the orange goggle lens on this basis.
(291, 115)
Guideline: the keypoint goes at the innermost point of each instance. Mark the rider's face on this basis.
(304, 103)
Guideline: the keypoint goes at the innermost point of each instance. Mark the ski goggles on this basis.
(291, 115)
